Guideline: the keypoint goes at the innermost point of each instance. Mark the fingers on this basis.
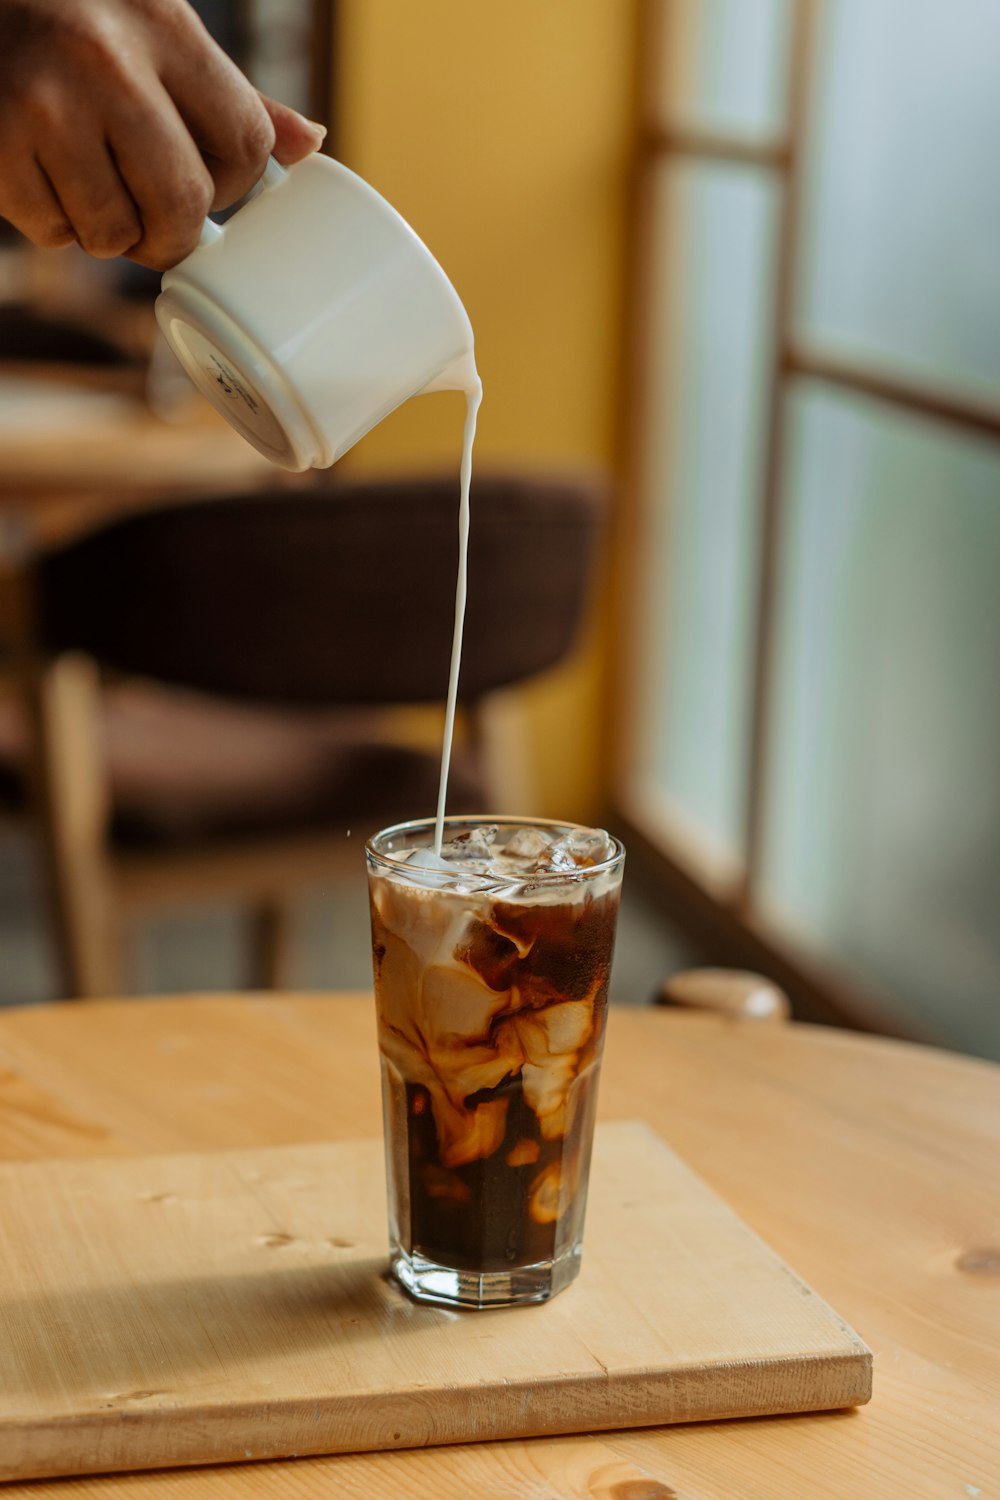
(29, 203)
(94, 199)
(122, 123)
(295, 137)
(221, 110)
(165, 176)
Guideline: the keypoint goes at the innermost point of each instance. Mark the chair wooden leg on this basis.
(735, 993)
(71, 794)
(270, 946)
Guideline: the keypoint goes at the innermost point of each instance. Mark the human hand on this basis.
(122, 123)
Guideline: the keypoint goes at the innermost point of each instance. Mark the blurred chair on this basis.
(103, 346)
(32, 336)
(281, 627)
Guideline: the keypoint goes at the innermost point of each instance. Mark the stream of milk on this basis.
(473, 399)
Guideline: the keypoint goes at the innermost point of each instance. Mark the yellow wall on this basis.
(501, 131)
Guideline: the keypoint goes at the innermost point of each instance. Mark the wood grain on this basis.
(872, 1167)
(226, 1306)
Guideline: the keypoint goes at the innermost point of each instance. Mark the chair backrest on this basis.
(29, 335)
(343, 595)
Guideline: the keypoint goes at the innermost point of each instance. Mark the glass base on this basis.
(444, 1286)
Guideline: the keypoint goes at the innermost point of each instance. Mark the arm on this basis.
(122, 123)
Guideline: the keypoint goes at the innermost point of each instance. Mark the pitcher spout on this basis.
(459, 374)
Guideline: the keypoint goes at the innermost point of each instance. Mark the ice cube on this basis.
(426, 859)
(580, 849)
(528, 844)
(427, 867)
(489, 954)
(475, 845)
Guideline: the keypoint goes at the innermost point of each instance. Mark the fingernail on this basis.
(319, 129)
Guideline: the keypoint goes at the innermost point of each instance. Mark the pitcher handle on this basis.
(273, 174)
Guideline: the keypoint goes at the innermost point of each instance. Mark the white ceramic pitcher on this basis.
(313, 313)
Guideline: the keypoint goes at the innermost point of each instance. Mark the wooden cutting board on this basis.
(208, 1308)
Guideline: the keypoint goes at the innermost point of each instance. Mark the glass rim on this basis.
(501, 820)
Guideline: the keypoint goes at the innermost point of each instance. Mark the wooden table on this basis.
(71, 456)
(872, 1167)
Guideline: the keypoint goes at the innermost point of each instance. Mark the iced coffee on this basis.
(491, 967)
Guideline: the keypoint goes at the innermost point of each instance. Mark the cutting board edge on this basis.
(638, 1402)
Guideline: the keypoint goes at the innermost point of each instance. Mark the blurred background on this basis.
(732, 269)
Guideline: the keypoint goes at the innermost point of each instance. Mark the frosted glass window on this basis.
(884, 798)
(724, 64)
(902, 201)
(715, 228)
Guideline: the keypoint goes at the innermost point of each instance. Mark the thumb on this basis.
(294, 135)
